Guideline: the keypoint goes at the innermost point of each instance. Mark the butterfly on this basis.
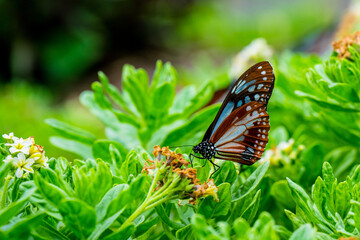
(239, 132)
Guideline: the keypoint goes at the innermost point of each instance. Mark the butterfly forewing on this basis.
(242, 136)
(256, 84)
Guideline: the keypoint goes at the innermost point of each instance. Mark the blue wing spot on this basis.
(239, 104)
(240, 88)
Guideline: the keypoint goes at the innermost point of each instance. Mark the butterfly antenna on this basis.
(181, 146)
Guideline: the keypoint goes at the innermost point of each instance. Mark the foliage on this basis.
(141, 115)
(333, 206)
(319, 100)
(117, 190)
(94, 199)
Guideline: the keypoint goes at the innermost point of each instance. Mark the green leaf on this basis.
(331, 103)
(126, 118)
(135, 87)
(341, 159)
(183, 100)
(21, 228)
(264, 228)
(323, 200)
(14, 208)
(227, 173)
(76, 147)
(211, 208)
(163, 73)
(145, 226)
(78, 216)
(113, 92)
(69, 131)
(189, 99)
(201, 229)
(252, 209)
(282, 231)
(165, 218)
(312, 160)
(100, 97)
(123, 234)
(329, 178)
(356, 208)
(103, 225)
(296, 221)
(251, 182)
(131, 165)
(15, 190)
(102, 206)
(343, 197)
(185, 233)
(4, 169)
(125, 134)
(46, 230)
(355, 174)
(135, 192)
(50, 192)
(281, 192)
(301, 199)
(241, 227)
(91, 183)
(160, 102)
(304, 232)
(197, 124)
(101, 150)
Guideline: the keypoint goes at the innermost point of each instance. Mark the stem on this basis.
(4, 193)
(156, 203)
(141, 208)
(159, 196)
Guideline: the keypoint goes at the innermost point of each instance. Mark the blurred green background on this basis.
(52, 50)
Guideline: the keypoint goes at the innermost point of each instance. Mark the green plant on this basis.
(141, 115)
(333, 207)
(108, 199)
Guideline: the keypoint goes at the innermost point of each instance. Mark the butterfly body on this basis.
(239, 132)
(206, 149)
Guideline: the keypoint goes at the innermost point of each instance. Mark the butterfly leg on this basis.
(240, 166)
(204, 163)
(216, 168)
(192, 156)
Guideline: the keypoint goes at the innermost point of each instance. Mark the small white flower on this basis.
(9, 136)
(22, 164)
(40, 160)
(286, 146)
(20, 145)
(9, 158)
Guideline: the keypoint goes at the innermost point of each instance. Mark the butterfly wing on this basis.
(243, 135)
(256, 84)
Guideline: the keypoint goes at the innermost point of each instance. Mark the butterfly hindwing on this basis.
(242, 136)
(256, 84)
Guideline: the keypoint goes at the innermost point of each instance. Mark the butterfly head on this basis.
(206, 149)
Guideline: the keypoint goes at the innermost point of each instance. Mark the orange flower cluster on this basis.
(176, 163)
(349, 238)
(341, 47)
